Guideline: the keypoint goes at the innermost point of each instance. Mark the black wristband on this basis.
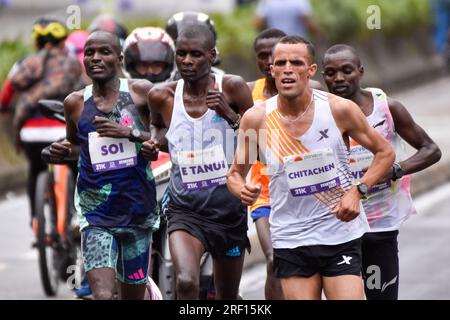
(397, 171)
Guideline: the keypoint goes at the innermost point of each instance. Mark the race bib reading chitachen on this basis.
(110, 153)
(311, 173)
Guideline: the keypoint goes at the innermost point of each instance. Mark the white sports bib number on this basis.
(203, 168)
(311, 172)
(361, 158)
(110, 153)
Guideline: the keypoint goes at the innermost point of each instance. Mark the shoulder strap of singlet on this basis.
(124, 85)
(87, 92)
(271, 104)
(219, 77)
(380, 99)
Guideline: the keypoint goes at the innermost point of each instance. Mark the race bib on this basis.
(110, 153)
(361, 158)
(203, 168)
(311, 172)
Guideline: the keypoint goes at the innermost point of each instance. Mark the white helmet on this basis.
(149, 45)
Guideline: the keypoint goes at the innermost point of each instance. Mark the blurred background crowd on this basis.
(401, 42)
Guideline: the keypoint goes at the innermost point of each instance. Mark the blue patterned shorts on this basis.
(126, 250)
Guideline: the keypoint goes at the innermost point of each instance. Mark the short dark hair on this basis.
(115, 41)
(199, 32)
(340, 48)
(298, 40)
(269, 33)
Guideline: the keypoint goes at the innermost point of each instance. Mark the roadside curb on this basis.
(430, 178)
(13, 179)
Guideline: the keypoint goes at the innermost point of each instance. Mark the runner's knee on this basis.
(187, 284)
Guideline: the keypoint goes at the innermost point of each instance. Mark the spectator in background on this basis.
(108, 23)
(294, 17)
(441, 9)
(47, 74)
(75, 48)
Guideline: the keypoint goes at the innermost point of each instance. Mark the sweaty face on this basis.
(193, 59)
(263, 51)
(101, 59)
(291, 69)
(341, 73)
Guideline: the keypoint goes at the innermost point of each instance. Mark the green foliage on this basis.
(338, 19)
(235, 31)
(135, 23)
(10, 52)
(346, 19)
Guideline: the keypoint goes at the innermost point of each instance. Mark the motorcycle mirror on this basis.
(53, 109)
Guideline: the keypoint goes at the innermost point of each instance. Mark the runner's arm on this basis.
(352, 123)
(139, 91)
(242, 161)
(427, 153)
(240, 95)
(233, 101)
(158, 101)
(69, 149)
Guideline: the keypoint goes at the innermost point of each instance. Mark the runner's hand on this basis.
(150, 150)
(348, 208)
(215, 100)
(250, 193)
(60, 150)
(109, 128)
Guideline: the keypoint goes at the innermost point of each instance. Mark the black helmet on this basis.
(179, 21)
(48, 30)
(105, 22)
(149, 44)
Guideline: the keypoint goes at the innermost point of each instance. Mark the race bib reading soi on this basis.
(203, 168)
(311, 172)
(110, 153)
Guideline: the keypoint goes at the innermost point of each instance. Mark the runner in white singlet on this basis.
(317, 218)
(389, 202)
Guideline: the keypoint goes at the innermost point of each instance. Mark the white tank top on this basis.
(201, 150)
(308, 176)
(389, 203)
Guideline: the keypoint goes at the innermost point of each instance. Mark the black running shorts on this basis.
(327, 260)
(222, 236)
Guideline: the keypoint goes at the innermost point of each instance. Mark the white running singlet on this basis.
(308, 176)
